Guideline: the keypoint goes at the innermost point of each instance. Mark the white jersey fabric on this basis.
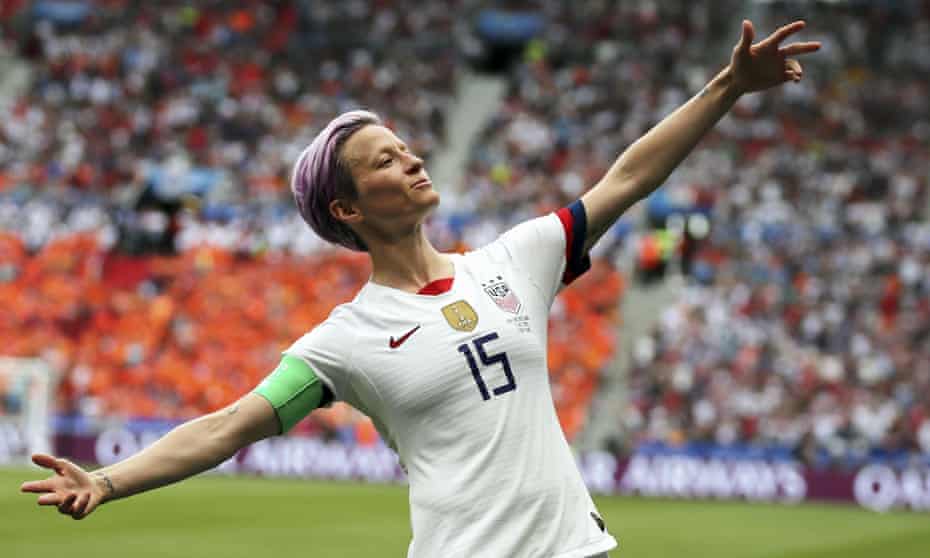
(458, 384)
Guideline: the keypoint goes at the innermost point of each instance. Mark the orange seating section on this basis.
(179, 336)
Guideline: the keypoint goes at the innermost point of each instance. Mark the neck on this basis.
(408, 263)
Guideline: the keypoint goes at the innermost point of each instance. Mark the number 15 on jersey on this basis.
(488, 360)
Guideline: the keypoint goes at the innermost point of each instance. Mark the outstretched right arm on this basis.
(189, 449)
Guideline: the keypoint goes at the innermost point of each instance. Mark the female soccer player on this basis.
(446, 353)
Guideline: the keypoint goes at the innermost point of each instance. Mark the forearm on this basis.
(189, 449)
(646, 164)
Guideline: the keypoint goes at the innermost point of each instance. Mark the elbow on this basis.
(636, 180)
(639, 189)
(222, 435)
(629, 189)
(242, 423)
(630, 184)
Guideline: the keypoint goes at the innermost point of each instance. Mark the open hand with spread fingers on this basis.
(73, 490)
(759, 66)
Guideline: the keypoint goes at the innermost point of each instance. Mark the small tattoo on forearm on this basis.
(107, 482)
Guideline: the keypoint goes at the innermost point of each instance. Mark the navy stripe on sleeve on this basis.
(575, 221)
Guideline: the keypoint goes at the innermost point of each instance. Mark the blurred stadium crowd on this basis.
(149, 247)
(807, 323)
(207, 104)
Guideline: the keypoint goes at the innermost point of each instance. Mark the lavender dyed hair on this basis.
(320, 176)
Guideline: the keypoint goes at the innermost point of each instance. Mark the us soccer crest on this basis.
(460, 315)
(502, 295)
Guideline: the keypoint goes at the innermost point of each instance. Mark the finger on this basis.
(80, 504)
(68, 467)
(799, 48)
(47, 461)
(52, 499)
(92, 504)
(783, 33)
(89, 508)
(65, 505)
(37, 486)
(748, 33)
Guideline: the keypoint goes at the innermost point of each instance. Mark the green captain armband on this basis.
(293, 390)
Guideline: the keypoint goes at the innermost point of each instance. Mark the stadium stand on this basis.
(805, 324)
(151, 250)
(207, 104)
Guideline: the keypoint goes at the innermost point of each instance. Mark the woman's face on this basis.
(394, 192)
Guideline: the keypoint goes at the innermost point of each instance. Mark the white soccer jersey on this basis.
(458, 384)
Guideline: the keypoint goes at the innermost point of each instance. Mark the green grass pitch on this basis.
(231, 517)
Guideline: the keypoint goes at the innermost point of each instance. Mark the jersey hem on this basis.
(589, 550)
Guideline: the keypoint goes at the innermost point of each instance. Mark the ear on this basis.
(345, 211)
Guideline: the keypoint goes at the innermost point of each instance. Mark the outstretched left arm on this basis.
(647, 163)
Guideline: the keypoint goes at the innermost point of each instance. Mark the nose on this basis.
(414, 163)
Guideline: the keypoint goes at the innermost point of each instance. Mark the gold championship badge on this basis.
(460, 315)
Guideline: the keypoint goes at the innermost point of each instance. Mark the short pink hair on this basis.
(320, 176)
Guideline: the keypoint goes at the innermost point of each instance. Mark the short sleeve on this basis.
(550, 249)
(326, 352)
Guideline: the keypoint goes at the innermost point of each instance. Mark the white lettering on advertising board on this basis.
(881, 488)
(693, 477)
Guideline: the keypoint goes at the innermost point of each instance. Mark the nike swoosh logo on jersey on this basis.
(397, 343)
